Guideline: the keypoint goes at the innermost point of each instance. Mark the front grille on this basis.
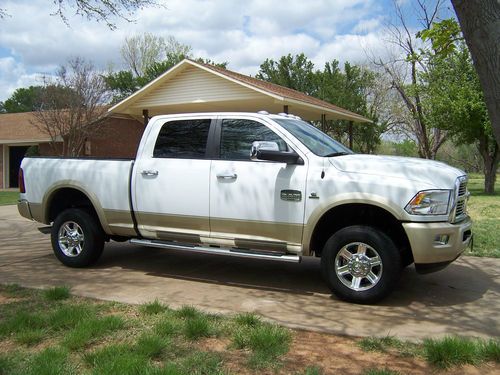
(461, 200)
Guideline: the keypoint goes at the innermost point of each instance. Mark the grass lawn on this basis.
(52, 332)
(485, 212)
(8, 197)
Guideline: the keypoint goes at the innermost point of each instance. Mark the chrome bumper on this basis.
(427, 245)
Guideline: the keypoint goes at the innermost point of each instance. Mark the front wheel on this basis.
(361, 264)
(77, 238)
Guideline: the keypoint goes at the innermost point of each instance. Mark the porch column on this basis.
(350, 134)
(323, 122)
(145, 116)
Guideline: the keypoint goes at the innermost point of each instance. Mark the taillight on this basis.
(22, 188)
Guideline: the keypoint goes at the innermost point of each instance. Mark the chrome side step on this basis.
(217, 251)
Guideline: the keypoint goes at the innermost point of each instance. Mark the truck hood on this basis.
(437, 174)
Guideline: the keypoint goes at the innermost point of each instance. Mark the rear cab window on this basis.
(183, 139)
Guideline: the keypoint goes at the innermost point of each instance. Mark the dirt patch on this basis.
(335, 355)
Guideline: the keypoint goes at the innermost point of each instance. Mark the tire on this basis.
(361, 264)
(77, 238)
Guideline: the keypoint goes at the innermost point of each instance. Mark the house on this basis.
(189, 86)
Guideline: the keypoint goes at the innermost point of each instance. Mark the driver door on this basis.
(254, 204)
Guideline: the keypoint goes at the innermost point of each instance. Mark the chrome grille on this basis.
(461, 200)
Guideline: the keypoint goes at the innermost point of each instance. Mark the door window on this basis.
(237, 136)
(183, 139)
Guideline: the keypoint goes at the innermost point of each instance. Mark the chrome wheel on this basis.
(71, 239)
(358, 266)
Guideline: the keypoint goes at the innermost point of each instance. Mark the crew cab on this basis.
(256, 185)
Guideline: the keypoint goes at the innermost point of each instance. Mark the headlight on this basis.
(429, 202)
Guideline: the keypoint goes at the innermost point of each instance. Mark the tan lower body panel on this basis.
(120, 222)
(270, 236)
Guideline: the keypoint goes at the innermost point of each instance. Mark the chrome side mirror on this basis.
(261, 146)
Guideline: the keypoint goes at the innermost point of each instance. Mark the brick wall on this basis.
(1, 166)
(119, 138)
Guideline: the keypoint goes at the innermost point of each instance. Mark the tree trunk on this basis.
(491, 158)
(480, 23)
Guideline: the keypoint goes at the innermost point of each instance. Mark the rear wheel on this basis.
(361, 264)
(77, 238)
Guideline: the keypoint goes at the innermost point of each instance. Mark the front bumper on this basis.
(427, 251)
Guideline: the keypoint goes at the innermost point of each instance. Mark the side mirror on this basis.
(263, 150)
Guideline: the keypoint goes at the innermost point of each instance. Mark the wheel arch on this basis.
(348, 213)
(70, 195)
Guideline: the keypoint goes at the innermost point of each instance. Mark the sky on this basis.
(34, 43)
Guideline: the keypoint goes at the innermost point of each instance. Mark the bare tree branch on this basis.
(72, 106)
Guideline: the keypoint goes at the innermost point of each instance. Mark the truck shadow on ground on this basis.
(455, 285)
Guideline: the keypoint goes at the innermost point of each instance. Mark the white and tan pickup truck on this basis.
(256, 185)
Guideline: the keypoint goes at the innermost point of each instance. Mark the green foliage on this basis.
(30, 336)
(187, 312)
(295, 72)
(350, 88)
(49, 362)
(8, 197)
(89, 330)
(152, 308)
(14, 290)
(484, 211)
(267, 343)
(490, 350)
(117, 359)
(389, 343)
(384, 371)
(247, 319)
(151, 345)
(57, 293)
(454, 99)
(30, 99)
(23, 100)
(443, 36)
(203, 363)
(167, 326)
(23, 321)
(313, 370)
(197, 327)
(69, 316)
(450, 351)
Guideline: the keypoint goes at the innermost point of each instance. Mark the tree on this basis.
(97, 10)
(403, 70)
(454, 98)
(295, 72)
(352, 89)
(480, 23)
(141, 51)
(72, 106)
(147, 57)
(24, 99)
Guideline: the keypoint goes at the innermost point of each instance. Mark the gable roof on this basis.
(191, 86)
(19, 128)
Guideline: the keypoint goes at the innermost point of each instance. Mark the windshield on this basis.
(314, 139)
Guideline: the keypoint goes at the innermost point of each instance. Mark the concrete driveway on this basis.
(463, 299)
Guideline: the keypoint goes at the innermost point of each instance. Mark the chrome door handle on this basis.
(149, 173)
(227, 176)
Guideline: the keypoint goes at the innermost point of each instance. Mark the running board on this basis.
(217, 251)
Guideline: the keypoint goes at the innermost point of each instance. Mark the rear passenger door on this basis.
(254, 204)
(172, 182)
